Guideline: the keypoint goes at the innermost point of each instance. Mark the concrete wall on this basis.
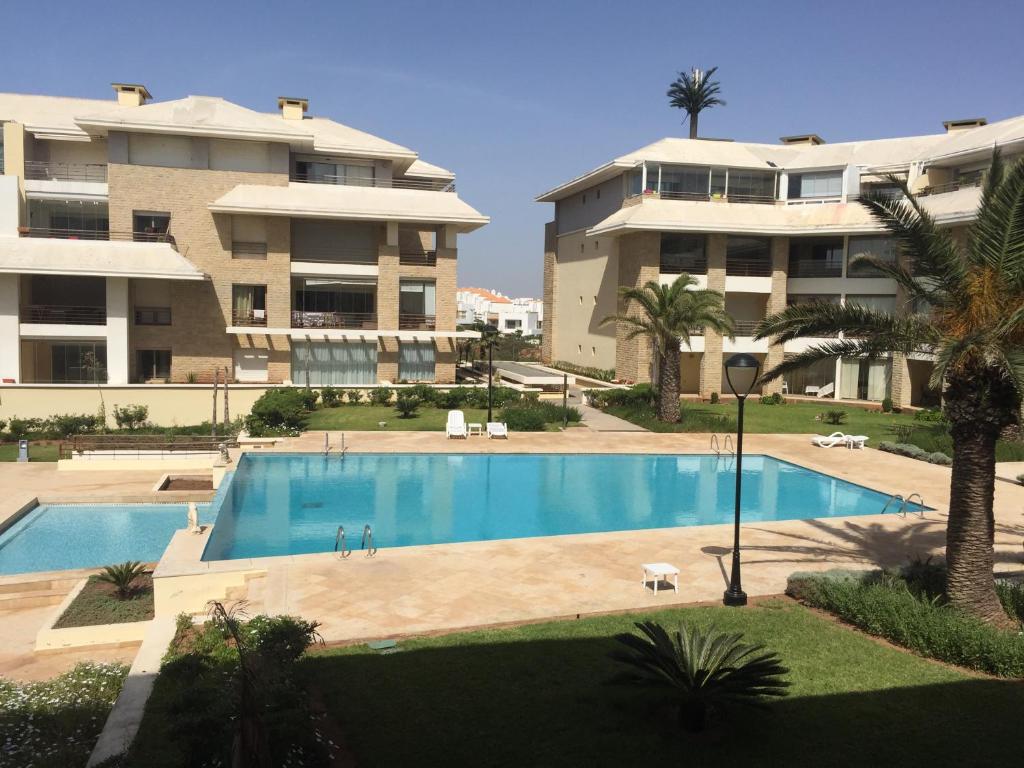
(584, 209)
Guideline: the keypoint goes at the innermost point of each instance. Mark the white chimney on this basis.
(952, 126)
(292, 108)
(131, 94)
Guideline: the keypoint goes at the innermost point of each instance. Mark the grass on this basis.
(535, 695)
(97, 603)
(366, 417)
(9, 452)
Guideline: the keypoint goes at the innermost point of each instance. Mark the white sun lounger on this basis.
(856, 441)
(456, 426)
(497, 429)
(831, 441)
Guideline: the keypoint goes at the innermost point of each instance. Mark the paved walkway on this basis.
(599, 421)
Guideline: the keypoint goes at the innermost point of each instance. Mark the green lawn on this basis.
(9, 452)
(366, 417)
(536, 696)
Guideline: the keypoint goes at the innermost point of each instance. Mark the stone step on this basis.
(31, 598)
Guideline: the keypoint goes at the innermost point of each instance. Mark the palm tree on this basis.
(970, 295)
(693, 92)
(669, 314)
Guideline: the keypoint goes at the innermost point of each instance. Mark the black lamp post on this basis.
(741, 372)
(489, 332)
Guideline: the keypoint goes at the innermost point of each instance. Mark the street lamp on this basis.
(741, 372)
(489, 332)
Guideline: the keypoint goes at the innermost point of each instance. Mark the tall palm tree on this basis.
(693, 92)
(970, 295)
(669, 314)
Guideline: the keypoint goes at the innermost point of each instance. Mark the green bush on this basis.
(380, 396)
(407, 403)
(65, 425)
(3, 424)
(523, 418)
(886, 405)
(714, 398)
(601, 374)
(887, 605)
(354, 396)
(19, 429)
(309, 398)
(278, 411)
(775, 398)
(637, 395)
(930, 414)
(424, 393)
(330, 397)
(131, 416)
(453, 399)
(834, 416)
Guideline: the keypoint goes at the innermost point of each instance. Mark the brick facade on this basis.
(547, 346)
(711, 362)
(777, 303)
(639, 263)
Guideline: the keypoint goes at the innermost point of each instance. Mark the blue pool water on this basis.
(293, 504)
(61, 536)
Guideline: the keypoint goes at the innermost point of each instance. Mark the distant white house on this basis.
(508, 315)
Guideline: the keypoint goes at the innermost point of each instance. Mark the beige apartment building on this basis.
(767, 225)
(161, 242)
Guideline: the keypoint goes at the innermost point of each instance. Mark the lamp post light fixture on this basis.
(741, 372)
(489, 332)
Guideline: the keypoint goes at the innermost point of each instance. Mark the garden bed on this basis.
(98, 603)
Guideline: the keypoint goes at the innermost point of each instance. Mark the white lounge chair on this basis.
(456, 426)
(831, 441)
(856, 441)
(827, 391)
(497, 429)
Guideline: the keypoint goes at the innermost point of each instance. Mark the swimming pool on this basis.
(54, 537)
(286, 504)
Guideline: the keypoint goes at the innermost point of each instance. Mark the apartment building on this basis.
(767, 225)
(506, 314)
(145, 241)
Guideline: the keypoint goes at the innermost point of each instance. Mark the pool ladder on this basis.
(327, 444)
(717, 447)
(904, 503)
(342, 548)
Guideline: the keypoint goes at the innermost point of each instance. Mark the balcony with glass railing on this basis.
(45, 170)
(428, 185)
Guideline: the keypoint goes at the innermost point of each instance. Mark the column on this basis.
(10, 338)
(387, 303)
(711, 365)
(117, 330)
(777, 303)
(639, 263)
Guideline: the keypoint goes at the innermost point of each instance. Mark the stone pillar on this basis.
(711, 364)
(639, 263)
(547, 344)
(14, 162)
(777, 303)
(387, 303)
(900, 389)
(117, 330)
(10, 338)
(446, 307)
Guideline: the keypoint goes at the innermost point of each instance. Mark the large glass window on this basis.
(416, 361)
(683, 253)
(335, 173)
(820, 184)
(150, 227)
(748, 256)
(681, 181)
(417, 297)
(755, 185)
(153, 364)
(78, 363)
(883, 248)
(816, 257)
(72, 219)
(249, 304)
(335, 295)
(334, 364)
(862, 379)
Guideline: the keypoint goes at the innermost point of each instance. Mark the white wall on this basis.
(117, 330)
(9, 197)
(10, 346)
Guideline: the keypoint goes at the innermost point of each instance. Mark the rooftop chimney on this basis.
(962, 125)
(131, 94)
(292, 108)
(811, 139)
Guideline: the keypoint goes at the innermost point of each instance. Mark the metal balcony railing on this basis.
(950, 186)
(418, 259)
(135, 446)
(249, 317)
(352, 320)
(43, 170)
(430, 185)
(247, 250)
(334, 255)
(745, 327)
(748, 267)
(61, 233)
(408, 321)
(60, 314)
(815, 269)
(673, 264)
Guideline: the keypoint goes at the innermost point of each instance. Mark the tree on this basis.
(693, 92)
(669, 314)
(970, 297)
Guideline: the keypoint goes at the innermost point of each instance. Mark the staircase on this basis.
(35, 593)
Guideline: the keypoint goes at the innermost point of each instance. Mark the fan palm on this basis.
(122, 577)
(970, 300)
(694, 92)
(700, 671)
(669, 314)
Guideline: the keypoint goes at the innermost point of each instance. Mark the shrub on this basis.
(330, 397)
(64, 425)
(834, 416)
(702, 671)
(601, 374)
(452, 399)
(3, 424)
(775, 398)
(887, 605)
(309, 398)
(131, 416)
(1020, 478)
(19, 429)
(886, 405)
(915, 452)
(937, 457)
(714, 398)
(637, 395)
(930, 414)
(424, 393)
(407, 403)
(380, 396)
(278, 411)
(191, 378)
(354, 396)
(123, 577)
(523, 418)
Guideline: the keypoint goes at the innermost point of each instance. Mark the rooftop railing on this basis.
(62, 314)
(44, 170)
(351, 320)
(429, 185)
(668, 194)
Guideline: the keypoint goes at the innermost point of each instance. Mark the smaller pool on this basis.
(55, 537)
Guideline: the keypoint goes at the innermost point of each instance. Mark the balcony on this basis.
(62, 233)
(41, 170)
(745, 327)
(333, 255)
(748, 267)
(815, 269)
(951, 186)
(248, 250)
(429, 185)
(676, 264)
(256, 318)
(345, 320)
(418, 259)
(408, 321)
(63, 314)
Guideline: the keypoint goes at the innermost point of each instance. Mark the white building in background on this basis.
(508, 315)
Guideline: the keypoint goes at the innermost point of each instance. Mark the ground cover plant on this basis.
(99, 603)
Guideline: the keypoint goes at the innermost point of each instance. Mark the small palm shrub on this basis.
(309, 398)
(834, 416)
(123, 577)
(354, 396)
(701, 672)
(407, 403)
(887, 406)
(775, 398)
(380, 396)
(714, 398)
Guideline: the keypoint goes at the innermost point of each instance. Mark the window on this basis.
(513, 324)
(327, 294)
(883, 248)
(598, 191)
(683, 253)
(334, 364)
(335, 173)
(757, 185)
(416, 361)
(248, 250)
(152, 315)
(593, 351)
(816, 257)
(251, 365)
(748, 256)
(416, 297)
(153, 364)
(681, 181)
(820, 184)
(634, 182)
(249, 304)
(884, 303)
(718, 179)
(150, 227)
(78, 363)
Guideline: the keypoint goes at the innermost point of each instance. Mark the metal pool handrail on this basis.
(368, 541)
(339, 538)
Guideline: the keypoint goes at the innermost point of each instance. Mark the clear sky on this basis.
(518, 96)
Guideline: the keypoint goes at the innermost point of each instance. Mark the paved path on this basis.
(599, 421)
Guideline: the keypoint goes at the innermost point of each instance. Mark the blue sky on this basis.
(516, 97)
